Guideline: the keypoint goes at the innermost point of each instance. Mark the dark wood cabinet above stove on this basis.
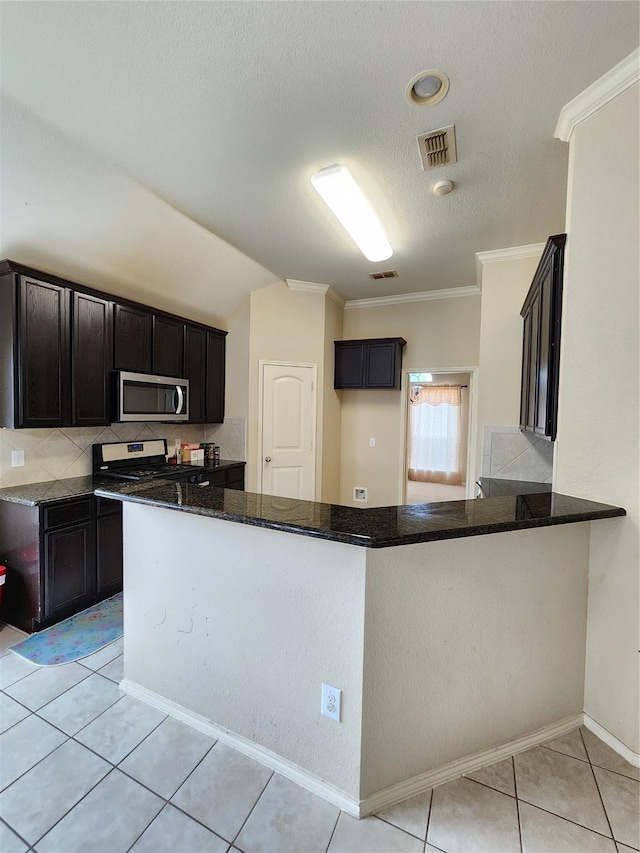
(60, 342)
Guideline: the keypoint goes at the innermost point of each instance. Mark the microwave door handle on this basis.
(180, 399)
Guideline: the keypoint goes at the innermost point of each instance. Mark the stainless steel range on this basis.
(142, 461)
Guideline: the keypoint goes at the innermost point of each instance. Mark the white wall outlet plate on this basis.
(372, 442)
(17, 458)
(360, 493)
(331, 701)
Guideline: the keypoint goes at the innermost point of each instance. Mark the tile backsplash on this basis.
(230, 436)
(56, 454)
(509, 454)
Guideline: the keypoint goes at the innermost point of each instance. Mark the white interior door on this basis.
(288, 430)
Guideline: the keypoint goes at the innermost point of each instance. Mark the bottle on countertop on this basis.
(216, 454)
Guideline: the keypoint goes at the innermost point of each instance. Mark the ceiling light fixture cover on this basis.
(345, 199)
(426, 88)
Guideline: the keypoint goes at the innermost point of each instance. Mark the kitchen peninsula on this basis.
(454, 630)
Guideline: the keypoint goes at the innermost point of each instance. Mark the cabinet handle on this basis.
(267, 459)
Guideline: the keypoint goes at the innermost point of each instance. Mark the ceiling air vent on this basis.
(385, 274)
(438, 147)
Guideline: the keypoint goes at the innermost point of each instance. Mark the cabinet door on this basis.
(132, 339)
(532, 393)
(69, 569)
(195, 359)
(382, 365)
(168, 347)
(526, 367)
(91, 360)
(541, 420)
(214, 403)
(349, 366)
(109, 554)
(44, 375)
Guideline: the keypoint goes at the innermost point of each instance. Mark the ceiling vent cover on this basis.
(438, 147)
(385, 274)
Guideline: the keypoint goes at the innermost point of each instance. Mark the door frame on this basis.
(314, 427)
(473, 424)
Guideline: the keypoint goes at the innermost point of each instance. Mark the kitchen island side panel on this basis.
(242, 625)
(470, 644)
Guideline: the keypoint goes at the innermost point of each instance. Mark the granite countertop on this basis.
(492, 487)
(34, 494)
(380, 527)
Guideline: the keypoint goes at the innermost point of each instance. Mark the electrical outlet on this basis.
(360, 493)
(372, 442)
(331, 700)
(17, 458)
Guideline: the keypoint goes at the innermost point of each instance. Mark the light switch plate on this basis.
(17, 458)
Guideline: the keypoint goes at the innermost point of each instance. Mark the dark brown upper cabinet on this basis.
(368, 363)
(195, 362)
(214, 392)
(34, 352)
(542, 313)
(168, 347)
(132, 339)
(60, 342)
(91, 360)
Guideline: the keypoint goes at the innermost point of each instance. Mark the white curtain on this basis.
(435, 434)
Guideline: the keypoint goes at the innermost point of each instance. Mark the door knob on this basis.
(267, 459)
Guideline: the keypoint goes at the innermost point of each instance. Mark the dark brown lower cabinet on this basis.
(69, 569)
(229, 477)
(61, 557)
(108, 547)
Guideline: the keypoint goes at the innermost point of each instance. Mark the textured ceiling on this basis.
(225, 109)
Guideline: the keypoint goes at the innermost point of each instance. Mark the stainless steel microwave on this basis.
(144, 397)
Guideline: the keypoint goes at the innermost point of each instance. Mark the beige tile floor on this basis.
(85, 768)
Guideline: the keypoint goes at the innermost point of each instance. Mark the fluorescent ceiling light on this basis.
(337, 187)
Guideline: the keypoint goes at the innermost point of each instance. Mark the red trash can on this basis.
(3, 574)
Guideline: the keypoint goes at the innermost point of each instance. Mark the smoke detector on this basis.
(438, 147)
(442, 187)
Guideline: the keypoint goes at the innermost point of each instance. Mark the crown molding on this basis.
(421, 296)
(515, 253)
(595, 96)
(512, 254)
(312, 287)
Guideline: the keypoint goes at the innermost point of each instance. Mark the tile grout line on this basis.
(333, 831)
(593, 763)
(84, 796)
(515, 791)
(252, 809)
(8, 825)
(593, 773)
(426, 836)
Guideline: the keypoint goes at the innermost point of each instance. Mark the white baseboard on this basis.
(424, 781)
(259, 753)
(395, 793)
(612, 741)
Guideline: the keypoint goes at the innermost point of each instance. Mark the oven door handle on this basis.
(180, 394)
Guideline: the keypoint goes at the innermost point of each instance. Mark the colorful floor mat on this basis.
(76, 637)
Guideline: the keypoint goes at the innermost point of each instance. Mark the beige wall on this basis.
(66, 211)
(439, 333)
(597, 449)
(332, 414)
(483, 640)
(504, 286)
(285, 325)
(237, 361)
